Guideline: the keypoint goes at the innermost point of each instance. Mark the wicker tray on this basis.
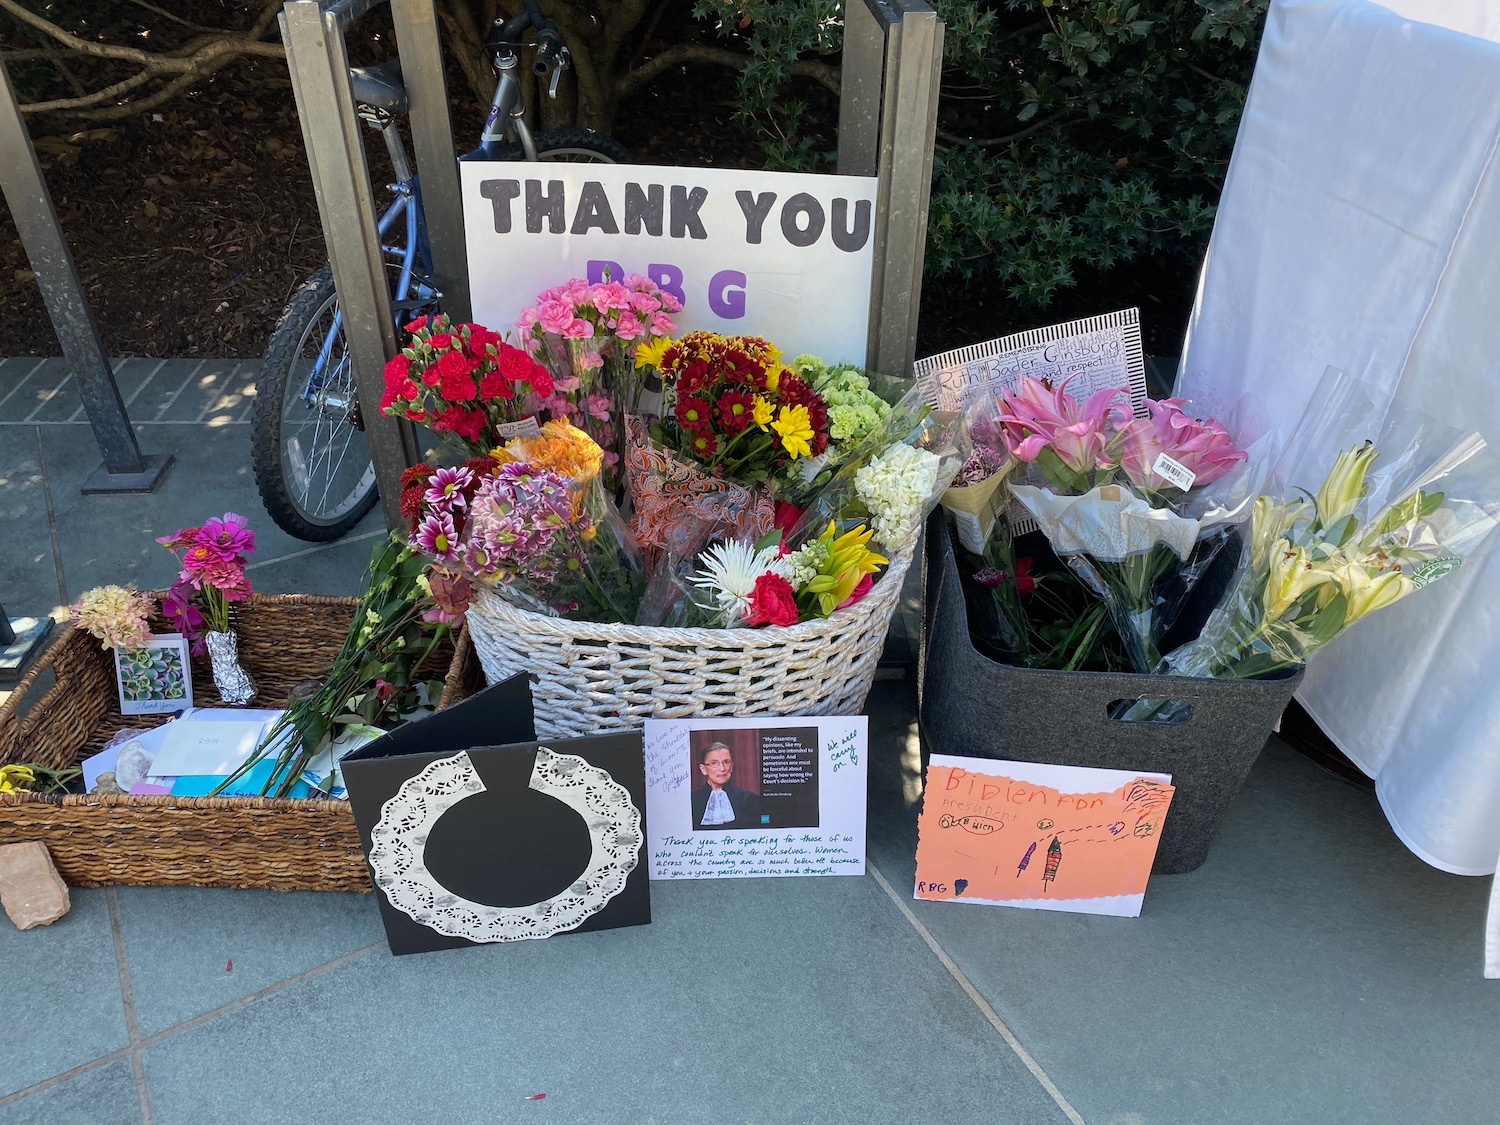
(103, 839)
(590, 678)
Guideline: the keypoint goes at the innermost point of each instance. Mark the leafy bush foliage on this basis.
(1070, 131)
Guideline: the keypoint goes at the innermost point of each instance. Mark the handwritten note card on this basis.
(755, 797)
(1038, 836)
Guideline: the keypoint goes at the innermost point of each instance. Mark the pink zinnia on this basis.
(228, 534)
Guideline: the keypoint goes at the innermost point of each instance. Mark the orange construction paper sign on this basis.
(992, 837)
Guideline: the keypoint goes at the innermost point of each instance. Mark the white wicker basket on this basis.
(595, 678)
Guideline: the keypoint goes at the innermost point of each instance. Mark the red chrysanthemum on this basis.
(694, 414)
(704, 445)
(735, 410)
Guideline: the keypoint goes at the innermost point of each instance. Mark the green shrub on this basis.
(1070, 131)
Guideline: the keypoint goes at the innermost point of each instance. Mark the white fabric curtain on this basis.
(1360, 228)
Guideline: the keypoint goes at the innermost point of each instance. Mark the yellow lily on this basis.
(1269, 523)
(1344, 486)
(1292, 574)
(1367, 590)
(16, 779)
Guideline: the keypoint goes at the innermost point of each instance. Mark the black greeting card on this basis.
(472, 840)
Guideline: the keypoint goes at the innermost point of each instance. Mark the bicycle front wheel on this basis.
(312, 462)
(571, 146)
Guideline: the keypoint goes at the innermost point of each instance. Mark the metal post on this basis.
(319, 66)
(125, 469)
(893, 57)
(863, 70)
(432, 138)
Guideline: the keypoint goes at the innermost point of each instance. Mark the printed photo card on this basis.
(749, 797)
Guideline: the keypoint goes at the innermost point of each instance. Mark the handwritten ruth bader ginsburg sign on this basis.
(778, 254)
(1038, 836)
(752, 797)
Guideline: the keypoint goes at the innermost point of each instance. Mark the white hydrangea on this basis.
(894, 485)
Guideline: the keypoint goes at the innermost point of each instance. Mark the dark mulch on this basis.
(192, 225)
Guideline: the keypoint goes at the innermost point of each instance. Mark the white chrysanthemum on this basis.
(729, 572)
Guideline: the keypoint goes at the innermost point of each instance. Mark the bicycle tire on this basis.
(572, 145)
(274, 451)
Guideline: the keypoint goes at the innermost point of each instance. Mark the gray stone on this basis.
(31, 890)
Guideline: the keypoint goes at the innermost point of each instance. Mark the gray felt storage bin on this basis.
(972, 705)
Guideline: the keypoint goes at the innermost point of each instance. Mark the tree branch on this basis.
(825, 75)
(993, 142)
(168, 63)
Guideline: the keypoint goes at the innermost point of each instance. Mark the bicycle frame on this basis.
(407, 205)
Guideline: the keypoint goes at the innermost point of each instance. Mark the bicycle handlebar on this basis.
(548, 44)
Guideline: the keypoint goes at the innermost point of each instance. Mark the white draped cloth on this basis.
(1360, 228)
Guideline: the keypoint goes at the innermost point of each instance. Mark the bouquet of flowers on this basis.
(463, 380)
(1127, 501)
(116, 615)
(1390, 517)
(212, 579)
(531, 522)
(601, 344)
(382, 675)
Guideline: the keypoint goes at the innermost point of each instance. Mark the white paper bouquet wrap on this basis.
(1111, 523)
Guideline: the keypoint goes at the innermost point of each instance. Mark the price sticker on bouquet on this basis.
(1174, 472)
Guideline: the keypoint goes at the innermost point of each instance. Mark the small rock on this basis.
(31, 890)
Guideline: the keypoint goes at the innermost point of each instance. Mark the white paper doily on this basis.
(397, 843)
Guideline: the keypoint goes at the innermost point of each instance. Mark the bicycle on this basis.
(312, 464)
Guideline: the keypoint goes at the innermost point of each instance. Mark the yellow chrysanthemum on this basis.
(762, 411)
(649, 353)
(794, 426)
(502, 456)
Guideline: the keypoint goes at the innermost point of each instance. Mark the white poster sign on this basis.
(777, 254)
(762, 796)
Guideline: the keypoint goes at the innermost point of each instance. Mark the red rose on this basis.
(1025, 584)
(787, 515)
(772, 602)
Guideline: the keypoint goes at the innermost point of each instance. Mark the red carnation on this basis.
(470, 424)
(454, 363)
(431, 375)
(417, 325)
(541, 380)
(1025, 584)
(772, 602)
(396, 368)
(441, 340)
(514, 364)
(494, 385)
(458, 387)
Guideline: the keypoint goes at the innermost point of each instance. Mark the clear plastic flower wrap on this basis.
(1393, 513)
(1139, 507)
(977, 496)
(892, 479)
(533, 523)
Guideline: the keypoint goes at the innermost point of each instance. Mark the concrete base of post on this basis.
(147, 480)
(29, 633)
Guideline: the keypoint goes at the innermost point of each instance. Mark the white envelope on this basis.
(207, 746)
